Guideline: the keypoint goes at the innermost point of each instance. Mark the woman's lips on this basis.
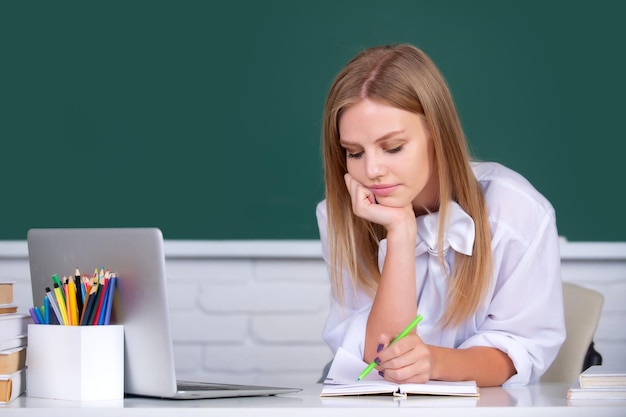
(383, 190)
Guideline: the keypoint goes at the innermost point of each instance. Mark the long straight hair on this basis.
(404, 77)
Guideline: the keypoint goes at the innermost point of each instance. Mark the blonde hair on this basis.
(404, 77)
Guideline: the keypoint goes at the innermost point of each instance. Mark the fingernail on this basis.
(379, 348)
(381, 373)
(377, 360)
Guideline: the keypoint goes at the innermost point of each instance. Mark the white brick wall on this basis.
(249, 318)
(253, 311)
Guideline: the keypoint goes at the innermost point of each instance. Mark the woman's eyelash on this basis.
(395, 150)
(355, 155)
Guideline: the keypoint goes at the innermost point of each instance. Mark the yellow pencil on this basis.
(62, 307)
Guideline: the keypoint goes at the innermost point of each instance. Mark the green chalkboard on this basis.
(203, 117)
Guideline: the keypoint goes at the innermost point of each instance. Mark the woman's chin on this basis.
(392, 202)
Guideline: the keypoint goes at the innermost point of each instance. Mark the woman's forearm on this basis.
(486, 365)
(395, 302)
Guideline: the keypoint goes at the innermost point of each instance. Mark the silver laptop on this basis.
(136, 255)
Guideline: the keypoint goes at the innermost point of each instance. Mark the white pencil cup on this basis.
(79, 363)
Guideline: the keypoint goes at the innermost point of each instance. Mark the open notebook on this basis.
(136, 255)
(343, 373)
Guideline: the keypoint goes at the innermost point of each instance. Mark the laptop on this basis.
(140, 304)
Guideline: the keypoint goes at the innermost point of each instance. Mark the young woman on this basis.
(410, 225)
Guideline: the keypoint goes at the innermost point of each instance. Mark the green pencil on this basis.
(405, 332)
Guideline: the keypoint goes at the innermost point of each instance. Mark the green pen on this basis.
(405, 332)
(55, 280)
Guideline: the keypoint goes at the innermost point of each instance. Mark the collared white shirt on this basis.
(522, 314)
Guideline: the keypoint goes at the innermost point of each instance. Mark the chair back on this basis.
(583, 307)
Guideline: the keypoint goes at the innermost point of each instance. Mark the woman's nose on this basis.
(374, 166)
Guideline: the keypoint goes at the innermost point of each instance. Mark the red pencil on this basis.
(102, 290)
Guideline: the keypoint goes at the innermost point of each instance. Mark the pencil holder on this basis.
(79, 363)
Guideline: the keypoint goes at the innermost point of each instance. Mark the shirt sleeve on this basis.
(345, 325)
(525, 316)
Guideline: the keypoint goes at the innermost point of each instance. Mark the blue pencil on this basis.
(105, 297)
(46, 310)
(109, 304)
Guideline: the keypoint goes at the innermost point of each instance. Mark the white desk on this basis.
(534, 400)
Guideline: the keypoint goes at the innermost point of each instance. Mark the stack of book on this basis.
(600, 382)
(13, 342)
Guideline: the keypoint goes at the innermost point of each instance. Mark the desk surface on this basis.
(545, 400)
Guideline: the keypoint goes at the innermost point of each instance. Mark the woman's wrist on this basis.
(405, 230)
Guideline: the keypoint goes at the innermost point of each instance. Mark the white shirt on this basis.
(522, 314)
